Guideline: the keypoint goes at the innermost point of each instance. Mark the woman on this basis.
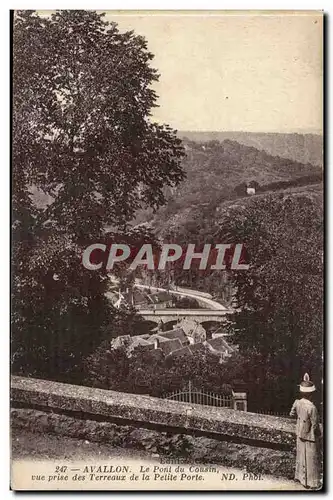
(307, 434)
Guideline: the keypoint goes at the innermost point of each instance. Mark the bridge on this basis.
(211, 310)
(200, 315)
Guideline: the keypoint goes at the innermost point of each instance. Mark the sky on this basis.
(234, 72)
(254, 71)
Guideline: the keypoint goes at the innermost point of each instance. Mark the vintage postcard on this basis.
(167, 250)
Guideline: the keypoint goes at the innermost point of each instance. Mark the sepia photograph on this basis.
(167, 250)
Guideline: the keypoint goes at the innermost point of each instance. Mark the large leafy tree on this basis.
(83, 137)
(278, 322)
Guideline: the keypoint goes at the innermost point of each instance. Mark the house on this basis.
(188, 350)
(121, 341)
(148, 342)
(175, 343)
(131, 343)
(167, 345)
(184, 351)
(170, 346)
(139, 341)
(159, 336)
(176, 333)
(220, 348)
(193, 330)
(252, 187)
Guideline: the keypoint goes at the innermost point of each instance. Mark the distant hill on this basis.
(216, 172)
(303, 148)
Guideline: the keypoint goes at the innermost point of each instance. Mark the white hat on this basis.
(306, 385)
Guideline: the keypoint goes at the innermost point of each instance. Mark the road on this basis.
(212, 304)
(38, 455)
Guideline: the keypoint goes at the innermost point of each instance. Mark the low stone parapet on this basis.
(153, 413)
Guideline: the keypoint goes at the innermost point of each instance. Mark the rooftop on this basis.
(170, 346)
(220, 344)
(184, 351)
(177, 333)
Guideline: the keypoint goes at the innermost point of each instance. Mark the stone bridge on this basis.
(171, 314)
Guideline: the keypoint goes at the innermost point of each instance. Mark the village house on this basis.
(193, 330)
(219, 347)
(250, 190)
(175, 343)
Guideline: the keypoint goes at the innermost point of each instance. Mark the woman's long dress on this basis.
(307, 456)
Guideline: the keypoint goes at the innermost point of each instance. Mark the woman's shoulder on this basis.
(306, 403)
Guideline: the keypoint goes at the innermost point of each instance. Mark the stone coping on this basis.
(146, 410)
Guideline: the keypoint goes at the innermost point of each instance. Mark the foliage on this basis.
(218, 172)
(278, 322)
(300, 181)
(144, 373)
(185, 302)
(217, 176)
(82, 135)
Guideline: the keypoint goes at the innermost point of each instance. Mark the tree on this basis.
(82, 134)
(240, 189)
(279, 320)
(145, 373)
(185, 302)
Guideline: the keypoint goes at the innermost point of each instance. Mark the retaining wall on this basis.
(208, 434)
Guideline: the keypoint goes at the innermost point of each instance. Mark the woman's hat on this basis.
(306, 385)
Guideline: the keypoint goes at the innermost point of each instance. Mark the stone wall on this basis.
(86, 403)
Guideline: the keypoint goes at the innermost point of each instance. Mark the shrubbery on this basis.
(142, 373)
